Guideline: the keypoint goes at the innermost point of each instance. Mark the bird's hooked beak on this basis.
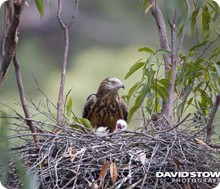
(121, 86)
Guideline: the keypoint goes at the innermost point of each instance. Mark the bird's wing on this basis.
(123, 109)
(91, 100)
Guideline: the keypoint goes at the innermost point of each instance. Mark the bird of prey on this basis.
(104, 108)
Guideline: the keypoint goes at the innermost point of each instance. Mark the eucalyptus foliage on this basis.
(198, 69)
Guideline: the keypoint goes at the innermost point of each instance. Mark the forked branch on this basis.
(167, 107)
(65, 27)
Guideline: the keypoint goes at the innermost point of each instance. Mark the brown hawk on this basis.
(106, 107)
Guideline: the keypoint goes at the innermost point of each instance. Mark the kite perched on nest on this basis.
(106, 107)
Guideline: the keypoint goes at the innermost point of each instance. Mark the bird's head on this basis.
(121, 125)
(111, 83)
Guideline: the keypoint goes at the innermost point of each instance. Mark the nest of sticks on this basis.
(79, 159)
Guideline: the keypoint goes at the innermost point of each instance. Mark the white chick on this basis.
(121, 125)
(101, 131)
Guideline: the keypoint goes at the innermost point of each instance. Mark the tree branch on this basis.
(211, 118)
(168, 107)
(164, 44)
(23, 99)
(13, 12)
(158, 16)
(10, 41)
(65, 28)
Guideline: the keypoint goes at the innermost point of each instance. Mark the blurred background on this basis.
(104, 40)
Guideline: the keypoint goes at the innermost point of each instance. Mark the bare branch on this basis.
(157, 14)
(59, 16)
(11, 37)
(168, 108)
(164, 44)
(179, 123)
(23, 99)
(65, 28)
(74, 13)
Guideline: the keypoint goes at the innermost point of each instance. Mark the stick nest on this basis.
(77, 159)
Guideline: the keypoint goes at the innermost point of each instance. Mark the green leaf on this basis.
(149, 110)
(150, 73)
(40, 7)
(205, 98)
(182, 71)
(138, 101)
(164, 82)
(200, 105)
(215, 53)
(142, 95)
(180, 30)
(214, 6)
(205, 19)
(148, 8)
(145, 49)
(193, 20)
(191, 51)
(217, 68)
(141, 4)
(69, 107)
(134, 68)
(164, 50)
(131, 113)
(189, 102)
(83, 121)
(162, 91)
(132, 90)
(198, 61)
(147, 65)
(199, 86)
